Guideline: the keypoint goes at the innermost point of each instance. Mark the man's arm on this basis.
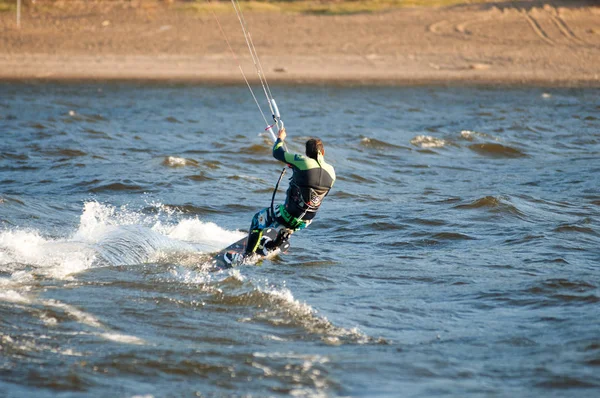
(279, 152)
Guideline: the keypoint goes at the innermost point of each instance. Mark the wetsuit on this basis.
(310, 183)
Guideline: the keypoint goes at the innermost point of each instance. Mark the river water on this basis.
(457, 255)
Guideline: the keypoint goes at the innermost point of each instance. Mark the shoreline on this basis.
(497, 82)
(482, 44)
(345, 72)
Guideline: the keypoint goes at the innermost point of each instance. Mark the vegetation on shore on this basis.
(332, 7)
(8, 5)
(324, 7)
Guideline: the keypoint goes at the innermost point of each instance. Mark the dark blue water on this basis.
(457, 255)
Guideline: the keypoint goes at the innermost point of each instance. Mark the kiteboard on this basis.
(269, 235)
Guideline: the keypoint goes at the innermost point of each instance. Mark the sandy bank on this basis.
(499, 43)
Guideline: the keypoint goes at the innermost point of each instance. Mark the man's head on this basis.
(314, 146)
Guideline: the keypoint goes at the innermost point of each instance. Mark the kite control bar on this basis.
(276, 114)
(276, 119)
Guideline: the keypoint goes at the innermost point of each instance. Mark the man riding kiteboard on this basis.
(310, 183)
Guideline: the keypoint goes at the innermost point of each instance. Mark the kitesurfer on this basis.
(311, 181)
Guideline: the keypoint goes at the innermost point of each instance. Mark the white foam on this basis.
(17, 278)
(23, 245)
(467, 134)
(333, 335)
(208, 235)
(98, 219)
(70, 352)
(274, 338)
(25, 345)
(425, 141)
(14, 297)
(76, 313)
(189, 276)
(237, 275)
(5, 339)
(48, 320)
(55, 258)
(123, 338)
(113, 236)
(472, 135)
(315, 358)
(174, 161)
(285, 295)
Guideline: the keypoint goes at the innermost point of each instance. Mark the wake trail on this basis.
(110, 236)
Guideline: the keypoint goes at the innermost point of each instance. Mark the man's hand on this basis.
(282, 134)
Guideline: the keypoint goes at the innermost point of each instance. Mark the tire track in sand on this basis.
(537, 28)
(551, 28)
(546, 23)
(458, 30)
(564, 28)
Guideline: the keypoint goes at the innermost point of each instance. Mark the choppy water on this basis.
(458, 254)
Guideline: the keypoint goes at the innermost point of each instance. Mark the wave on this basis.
(353, 177)
(495, 150)
(527, 239)
(199, 177)
(173, 161)
(109, 236)
(564, 292)
(567, 228)
(64, 152)
(13, 156)
(256, 149)
(359, 197)
(488, 201)
(279, 308)
(172, 119)
(493, 204)
(547, 293)
(18, 168)
(373, 143)
(118, 186)
(10, 200)
(24, 251)
(183, 209)
(472, 135)
(558, 285)
(451, 236)
(267, 304)
(425, 141)
(95, 134)
(384, 226)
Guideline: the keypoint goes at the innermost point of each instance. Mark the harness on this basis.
(300, 198)
(289, 220)
(306, 198)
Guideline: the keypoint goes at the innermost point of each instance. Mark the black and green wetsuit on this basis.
(310, 183)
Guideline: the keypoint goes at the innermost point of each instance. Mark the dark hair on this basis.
(313, 146)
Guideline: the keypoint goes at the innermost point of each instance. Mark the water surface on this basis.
(457, 255)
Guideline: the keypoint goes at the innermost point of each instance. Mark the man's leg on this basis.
(260, 221)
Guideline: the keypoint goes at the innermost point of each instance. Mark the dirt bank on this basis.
(499, 43)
